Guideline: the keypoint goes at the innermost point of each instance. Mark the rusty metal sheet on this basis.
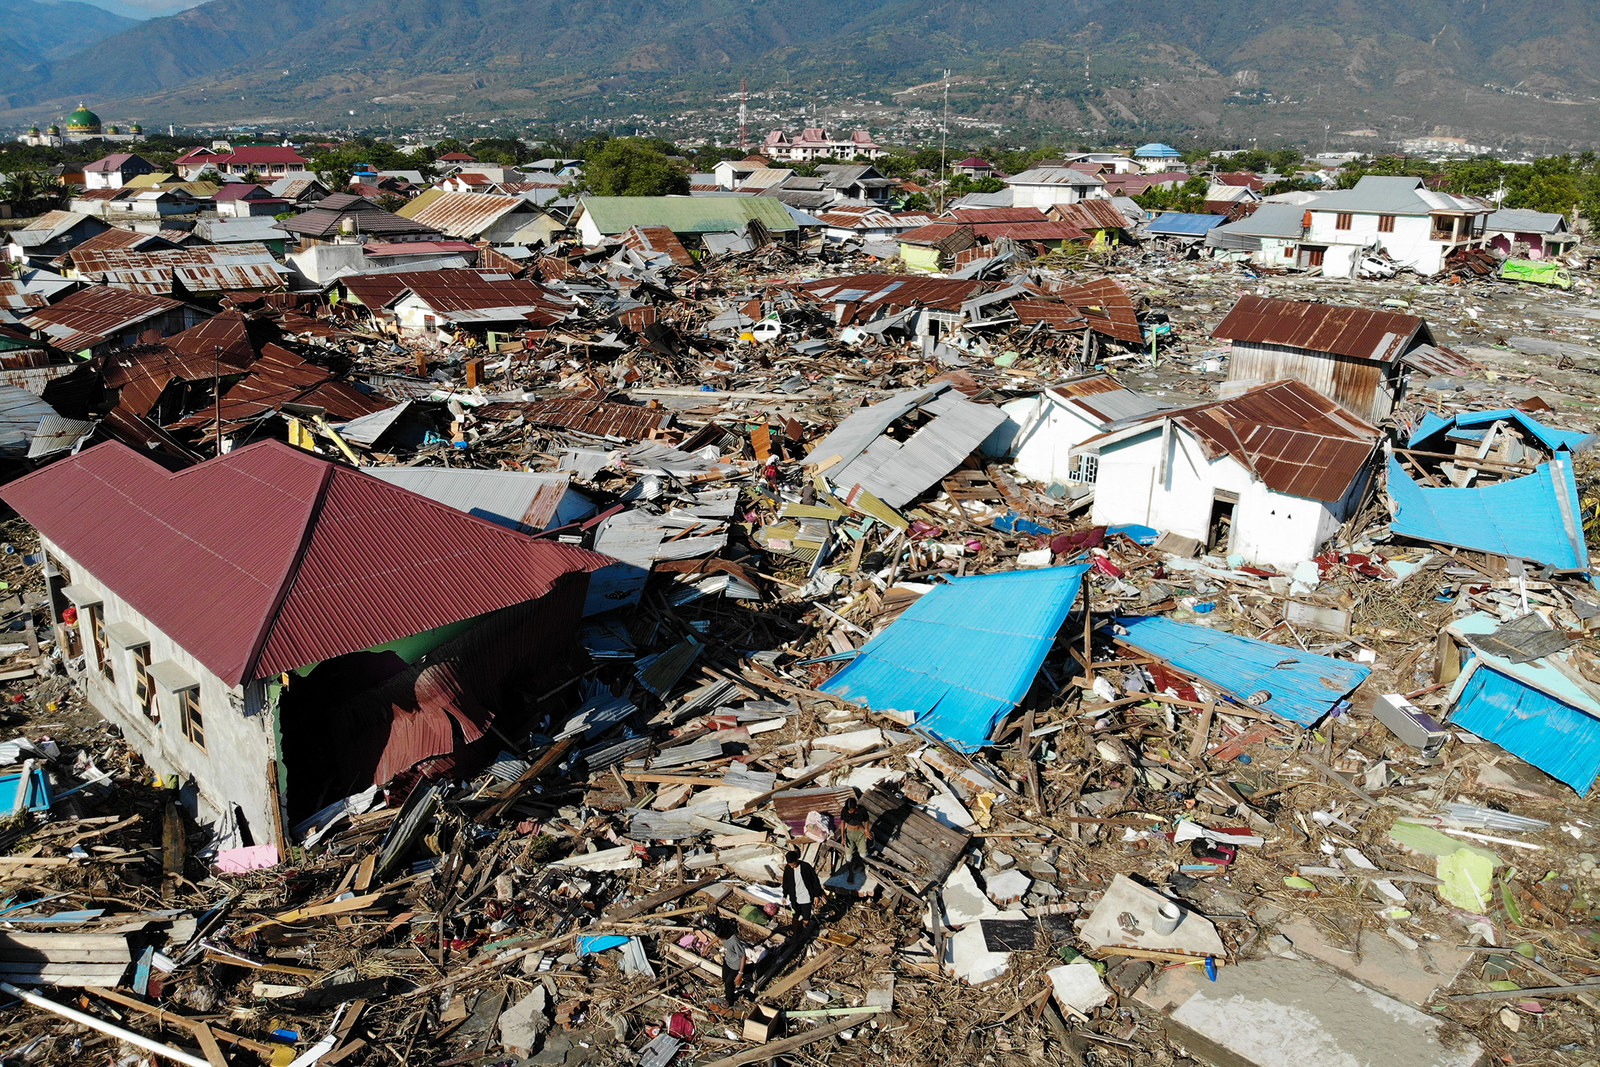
(1359, 333)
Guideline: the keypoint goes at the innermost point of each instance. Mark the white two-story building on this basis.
(1401, 217)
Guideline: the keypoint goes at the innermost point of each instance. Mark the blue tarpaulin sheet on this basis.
(1552, 735)
(1182, 224)
(588, 946)
(1301, 687)
(1548, 436)
(1536, 517)
(965, 653)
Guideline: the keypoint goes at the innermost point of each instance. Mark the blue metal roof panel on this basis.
(1551, 438)
(1555, 737)
(965, 653)
(1537, 517)
(1184, 224)
(1303, 687)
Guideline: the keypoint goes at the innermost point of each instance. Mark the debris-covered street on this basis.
(1102, 657)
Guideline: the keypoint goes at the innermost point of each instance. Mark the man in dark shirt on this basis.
(801, 887)
(732, 963)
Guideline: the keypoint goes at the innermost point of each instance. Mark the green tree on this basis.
(32, 191)
(1190, 197)
(633, 167)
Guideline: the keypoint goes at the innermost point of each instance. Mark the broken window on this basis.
(144, 686)
(1385, 223)
(1314, 257)
(189, 712)
(97, 629)
(1344, 221)
(1085, 469)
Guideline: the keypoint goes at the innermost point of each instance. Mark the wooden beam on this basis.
(773, 1049)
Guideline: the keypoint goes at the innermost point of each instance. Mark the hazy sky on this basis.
(142, 9)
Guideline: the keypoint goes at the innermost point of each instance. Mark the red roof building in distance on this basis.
(973, 167)
(272, 161)
(270, 607)
(457, 157)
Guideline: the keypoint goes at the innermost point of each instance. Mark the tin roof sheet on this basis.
(1359, 333)
(85, 318)
(965, 653)
(1299, 686)
(518, 500)
(686, 214)
(464, 214)
(308, 559)
(1291, 437)
(1537, 517)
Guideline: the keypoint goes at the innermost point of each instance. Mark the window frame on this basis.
(144, 683)
(1385, 223)
(102, 643)
(1344, 220)
(191, 716)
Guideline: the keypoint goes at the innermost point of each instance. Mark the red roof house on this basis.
(272, 608)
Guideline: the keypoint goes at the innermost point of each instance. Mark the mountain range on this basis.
(1525, 73)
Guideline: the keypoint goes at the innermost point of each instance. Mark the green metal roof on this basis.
(687, 214)
(84, 118)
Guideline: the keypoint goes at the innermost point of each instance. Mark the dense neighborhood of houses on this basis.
(491, 563)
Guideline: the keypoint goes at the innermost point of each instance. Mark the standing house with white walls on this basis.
(1401, 217)
(1268, 475)
(1042, 432)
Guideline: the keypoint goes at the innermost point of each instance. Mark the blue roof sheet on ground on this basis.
(965, 653)
(1550, 437)
(1536, 517)
(1302, 687)
(1184, 224)
(1553, 736)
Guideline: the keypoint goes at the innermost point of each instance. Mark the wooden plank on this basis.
(773, 1049)
(1202, 731)
(208, 1045)
(806, 970)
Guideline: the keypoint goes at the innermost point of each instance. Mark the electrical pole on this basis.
(744, 115)
(944, 135)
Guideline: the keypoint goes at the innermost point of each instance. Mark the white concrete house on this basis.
(1414, 225)
(1042, 432)
(1270, 237)
(1268, 475)
(115, 171)
(1045, 187)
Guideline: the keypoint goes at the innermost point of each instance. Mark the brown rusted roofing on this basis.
(114, 239)
(1289, 436)
(1036, 230)
(1359, 333)
(1061, 316)
(1107, 306)
(658, 239)
(895, 291)
(1091, 215)
(278, 377)
(89, 316)
(976, 215)
(201, 269)
(586, 415)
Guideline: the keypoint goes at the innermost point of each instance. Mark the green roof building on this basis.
(606, 216)
(83, 121)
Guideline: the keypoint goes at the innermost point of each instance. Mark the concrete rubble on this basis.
(1165, 850)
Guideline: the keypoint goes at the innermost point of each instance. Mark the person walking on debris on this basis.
(732, 963)
(801, 887)
(855, 826)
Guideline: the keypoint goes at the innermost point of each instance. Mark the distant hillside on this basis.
(1214, 68)
(31, 30)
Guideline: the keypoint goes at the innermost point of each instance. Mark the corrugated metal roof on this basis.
(586, 415)
(1182, 224)
(57, 434)
(112, 239)
(200, 269)
(464, 214)
(965, 653)
(897, 471)
(1549, 436)
(1537, 517)
(662, 240)
(1291, 437)
(517, 500)
(1533, 710)
(1300, 686)
(1378, 194)
(686, 214)
(1359, 333)
(1106, 400)
(1107, 306)
(286, 559)
(21, 413)
(895, 291)
(86, 318)
(1055, 176)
